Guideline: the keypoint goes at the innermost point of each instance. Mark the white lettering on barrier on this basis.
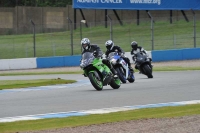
(88, 1)
(111, 1)
(145, 2)
(120, 1)
(148, 1)
(97, 1)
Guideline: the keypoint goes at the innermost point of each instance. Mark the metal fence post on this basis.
(33, 24)
(71, 33)
(152, 30)
(111, 30)
(26, 51)
(82, 21)
(194, 25)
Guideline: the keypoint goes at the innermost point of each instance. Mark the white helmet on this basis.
(109, 44)
(85, 43)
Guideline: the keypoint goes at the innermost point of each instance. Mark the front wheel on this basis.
(98, 84)
(132, 78)
(121, 75)
(148, 71)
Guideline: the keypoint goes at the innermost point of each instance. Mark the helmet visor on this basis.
(134, 47)
(84, 45)
(108, 46)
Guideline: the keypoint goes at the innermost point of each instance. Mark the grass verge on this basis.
(149, 113)
(167, 68)
(175, 68)
(10, 84)
(39, 73)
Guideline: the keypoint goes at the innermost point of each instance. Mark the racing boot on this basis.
(151, 65)
(131, 69)
(114, 73)
(136, 67)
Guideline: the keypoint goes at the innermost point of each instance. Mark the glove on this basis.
(81, 66)
(95, 53)
(122, 54)
(84, 75)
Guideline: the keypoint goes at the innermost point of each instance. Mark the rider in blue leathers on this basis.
(112, 48)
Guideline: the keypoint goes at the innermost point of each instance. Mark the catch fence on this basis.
(56, 40)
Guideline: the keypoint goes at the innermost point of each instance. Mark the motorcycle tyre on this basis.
(131, 80)
(148, 71)
(114, 84)
(93, 81)
(120, 75)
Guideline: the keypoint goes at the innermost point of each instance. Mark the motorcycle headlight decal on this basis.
(122, 62)
(113, 61)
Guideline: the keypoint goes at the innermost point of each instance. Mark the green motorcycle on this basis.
(98, 73)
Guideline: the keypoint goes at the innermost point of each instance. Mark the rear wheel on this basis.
(148, 71)
(97, 83)
(115, 83)
(121, 74)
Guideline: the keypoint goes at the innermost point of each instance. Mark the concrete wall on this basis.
(66, 61)
(22, 63)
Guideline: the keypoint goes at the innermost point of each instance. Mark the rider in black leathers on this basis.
(112, 48)
(87, 47)
(136, 49)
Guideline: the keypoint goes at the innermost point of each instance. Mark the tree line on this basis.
(35, 3)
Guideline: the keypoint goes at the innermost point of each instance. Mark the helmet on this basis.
(109, 44)
(134, 45)
(85, 42)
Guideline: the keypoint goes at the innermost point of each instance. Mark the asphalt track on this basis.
(164, 87)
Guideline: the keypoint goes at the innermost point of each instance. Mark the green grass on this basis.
(39, 73)
(13, 84)
(175, 68)
(149, 113)
(167, 68)
(166, 36)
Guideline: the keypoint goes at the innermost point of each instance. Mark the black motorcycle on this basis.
(143, 64)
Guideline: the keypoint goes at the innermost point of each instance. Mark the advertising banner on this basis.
(138, 4)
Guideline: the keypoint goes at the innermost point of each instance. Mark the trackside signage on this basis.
(138, 4)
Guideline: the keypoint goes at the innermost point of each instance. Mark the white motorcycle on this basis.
(121, 67)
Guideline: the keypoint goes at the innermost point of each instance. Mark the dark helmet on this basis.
(109, 44)
(134, 45)
(85, 43)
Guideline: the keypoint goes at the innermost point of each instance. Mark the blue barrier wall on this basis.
(66, 61)
(157, 56)
(179, 54)
(189, 54)
(61, 61)
(72, 60)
